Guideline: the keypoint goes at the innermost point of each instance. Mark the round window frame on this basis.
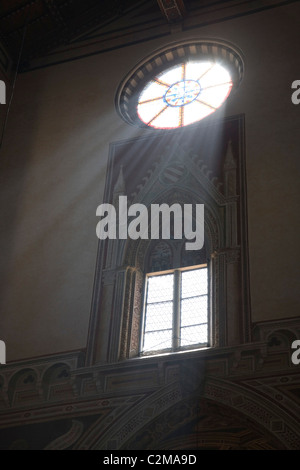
(127, 96)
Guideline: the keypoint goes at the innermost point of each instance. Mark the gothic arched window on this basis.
(202, 165)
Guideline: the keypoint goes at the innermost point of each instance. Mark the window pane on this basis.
(195, 70)
(170, 117)
(215, 95)
(193, 282)
(195, 111)
(152, 91)
(216, 75)
(160, 288)
(148, 111)
(161, 308)
(171, 76)
(159, 313)
(196, 88)
(193, 335)
(158, 340)
(159, 316)
(194, 311)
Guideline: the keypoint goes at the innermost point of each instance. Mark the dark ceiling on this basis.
(37, 26)
(30, 29)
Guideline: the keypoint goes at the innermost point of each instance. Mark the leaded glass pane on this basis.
(196, 111)
(170, 117)
(216, 75)
(195, 70)
(215, 95)
(193, 335)
(159, 316)
(160, 288)
(154, 341)
(193, 307)
(149, 110)
(153, 91)
(171, 76)
(159, 313)
(193, 282)
(194, 310)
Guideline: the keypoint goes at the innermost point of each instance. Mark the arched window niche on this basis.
(138, 168)
(139, 259)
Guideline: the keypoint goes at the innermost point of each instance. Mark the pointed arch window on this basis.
(124, 267)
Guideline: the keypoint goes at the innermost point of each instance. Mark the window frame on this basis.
(205, 105)
(225, 53)
(176, 312)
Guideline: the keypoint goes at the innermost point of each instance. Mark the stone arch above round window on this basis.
(180, 84)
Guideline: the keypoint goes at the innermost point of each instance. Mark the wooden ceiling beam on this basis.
(173, 10)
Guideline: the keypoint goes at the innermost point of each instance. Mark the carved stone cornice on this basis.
(62, 384)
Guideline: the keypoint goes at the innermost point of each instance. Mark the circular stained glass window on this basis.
(180, 84)
(184, 94)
